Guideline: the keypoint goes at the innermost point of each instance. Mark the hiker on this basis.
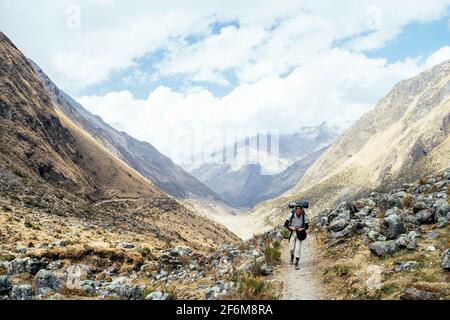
(297, 223)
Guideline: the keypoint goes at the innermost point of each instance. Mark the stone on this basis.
(393, 226)
(157, 295)
(89, 286)
(21, 292)
(60, 243)
(431, 248)
(415, 294)
(45, 279)
(407, 266)
(121, 288)
(338, 224)
(266, 270)
(127, 245)
(432, 235)
(348, 231)
(21, 250)
(75, 274)
(5, 284)
(424, 216)
(256, 253)
(445, 260)
(380, 248)
(25, 265)
(212, 293)
(180, 251)
(440, 209)
(420, 206)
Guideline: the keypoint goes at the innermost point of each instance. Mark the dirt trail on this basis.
(301, 284)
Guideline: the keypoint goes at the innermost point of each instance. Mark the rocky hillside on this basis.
(58, 183)
(254, 175)
(406, 136)
(405, 234)
(141, 156)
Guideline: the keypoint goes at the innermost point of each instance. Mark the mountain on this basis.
(254, 174)
(141, 156)
(406, 136)
(60, 182)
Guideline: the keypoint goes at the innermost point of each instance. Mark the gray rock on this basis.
(393, 226)
(121, 288)
(212, 293)
(348, 231)
(432, 235)
(338, 224)
(445, 260)
(266, 270)
(45, 279)
(60, 243)
(440, 209)
(21, 250)
(420, 206)
(424, 216)
(380, 248)
(25, 265)
(415, 294)
(180, 251)
(407, 266)
(89, 286)
(126, 245)
(5, 284)
(157, 295)
(21, 292)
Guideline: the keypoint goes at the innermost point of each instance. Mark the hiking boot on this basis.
(297, 267)
(292, 259)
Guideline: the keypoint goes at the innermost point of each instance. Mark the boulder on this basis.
(89, 286)
(121, 288)
(348, 231)
(406, 266)
(440, 209)
(380, 248)
(212, 293)
(21, 292)
(45, 279)
(445, 260)
(5, 284)
(416, 294)
(25, 265)
(424, 216)
(157, 295)
(127, 245)
(180, 251)
(338, 224)
(392, 226)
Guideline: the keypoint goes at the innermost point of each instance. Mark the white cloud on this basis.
(439, 56)
(336, 86)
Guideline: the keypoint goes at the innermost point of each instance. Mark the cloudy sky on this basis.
(178, 73)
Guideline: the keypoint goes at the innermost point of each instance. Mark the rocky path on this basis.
(301, 284)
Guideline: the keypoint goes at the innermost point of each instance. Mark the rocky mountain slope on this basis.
(254, 175)
(59, 182)
(141, 156)
(405, 136)
(402, 234)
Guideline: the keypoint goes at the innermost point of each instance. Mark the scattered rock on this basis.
(431, 248)
(380, 248)
(25, 265)
(5, 284)
(21, 292)
(127, 245)
(407, 266)
(338, 224)
(45, 279)
(415, 294)
(180, 251)
(445, 260)
(157, 295)
(393, 226)
(424, 216)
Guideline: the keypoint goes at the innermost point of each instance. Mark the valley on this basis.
(89, 212)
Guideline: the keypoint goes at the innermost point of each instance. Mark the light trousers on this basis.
(295, 245)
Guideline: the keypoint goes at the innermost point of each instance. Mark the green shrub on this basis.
(272, 253)
(285, 234)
